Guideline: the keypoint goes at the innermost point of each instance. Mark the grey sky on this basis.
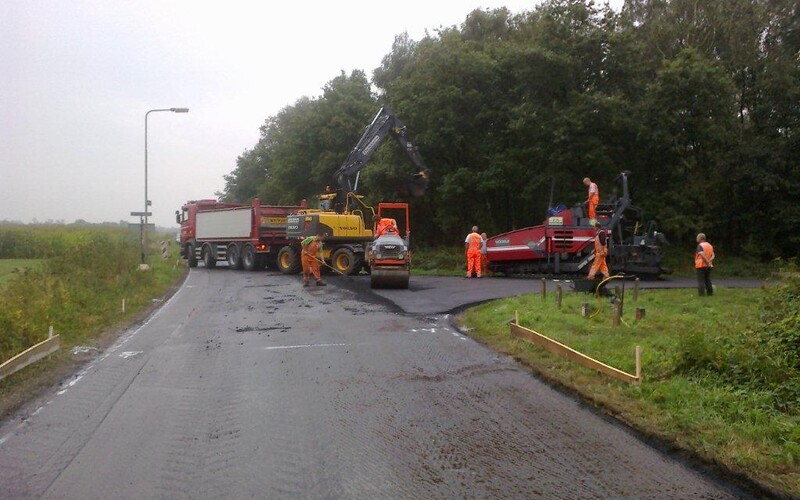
(78, 76)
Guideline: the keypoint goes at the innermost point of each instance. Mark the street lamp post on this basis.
(146, 201)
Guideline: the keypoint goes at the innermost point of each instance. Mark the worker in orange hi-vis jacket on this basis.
(593, 197)
(385, 225)
(600, 253)
(703, 262)
(310, 258)
(472, 247)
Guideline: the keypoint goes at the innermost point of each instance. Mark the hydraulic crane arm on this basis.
(385, 123)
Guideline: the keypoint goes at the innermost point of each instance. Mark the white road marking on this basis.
(130, 354)
(301, 346)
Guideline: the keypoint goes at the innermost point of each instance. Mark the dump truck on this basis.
(245, 236)
(563, 243)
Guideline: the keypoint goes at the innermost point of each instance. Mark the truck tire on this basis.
(191, 255)
(209, 259)
(289, 260)
(346, 261)
(234, 256)
(249, 258)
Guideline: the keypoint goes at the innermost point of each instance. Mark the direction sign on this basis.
(142, 214)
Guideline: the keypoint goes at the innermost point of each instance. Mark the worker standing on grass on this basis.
(600, 253)
(310, 258)
(703, 262)
(472, 246)
(593, 198)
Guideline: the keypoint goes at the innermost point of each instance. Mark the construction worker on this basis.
(310, 258)
(385, 225)
(600, 253)
(703, 262)
(472, 247)
(593, 198)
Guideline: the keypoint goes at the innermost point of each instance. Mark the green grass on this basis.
(684, 399)
(78, 286)
(10, 267)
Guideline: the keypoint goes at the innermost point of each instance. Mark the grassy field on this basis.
(11, 267)
(696, 392)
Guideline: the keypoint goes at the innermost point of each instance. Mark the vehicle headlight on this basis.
(401, 255)
(377, 255)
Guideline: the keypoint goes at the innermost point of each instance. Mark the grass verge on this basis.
(745, 427)
(79, 290)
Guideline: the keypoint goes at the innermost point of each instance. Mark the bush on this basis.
(765, 358)
(78, 288)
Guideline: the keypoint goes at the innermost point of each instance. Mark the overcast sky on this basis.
(78, 76)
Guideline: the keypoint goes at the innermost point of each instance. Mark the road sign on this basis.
(142, 214)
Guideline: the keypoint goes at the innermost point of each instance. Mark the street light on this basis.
(146, 201)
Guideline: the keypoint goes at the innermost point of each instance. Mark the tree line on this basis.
(698, 99)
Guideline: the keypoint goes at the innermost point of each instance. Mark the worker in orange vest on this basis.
(703, 262)
(600, 253)
(472, 247)
(593, 198)
(310, 258)
(385, 225)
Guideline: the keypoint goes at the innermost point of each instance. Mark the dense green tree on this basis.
(699, 99)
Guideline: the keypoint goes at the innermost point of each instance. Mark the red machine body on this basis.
(563, 243)
(247, 236)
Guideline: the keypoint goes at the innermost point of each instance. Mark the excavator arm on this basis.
(385, 123)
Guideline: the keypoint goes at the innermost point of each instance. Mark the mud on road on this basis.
(249, 385)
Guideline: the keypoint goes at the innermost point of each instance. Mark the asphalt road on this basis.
(248, 385)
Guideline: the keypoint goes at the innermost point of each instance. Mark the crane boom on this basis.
(385, 123)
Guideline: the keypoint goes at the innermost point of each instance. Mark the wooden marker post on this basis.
(544, 289)
(558, 295)
(586, 309)
(616, 314)
(639, 313)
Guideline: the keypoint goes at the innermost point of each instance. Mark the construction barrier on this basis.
(31, 355)
(564, 351)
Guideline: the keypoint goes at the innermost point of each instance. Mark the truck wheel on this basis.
(209, 259)
(289, 260)
(191, 255)
(346, 261)
(234, 256)
(249, 258)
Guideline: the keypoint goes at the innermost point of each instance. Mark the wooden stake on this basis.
(615, 315)
(544, 289)
(123, 305)
(639, 313)
(586, 309)
(516, 318)
(558, 295)
(50, 332)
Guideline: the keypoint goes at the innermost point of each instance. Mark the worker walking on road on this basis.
(703, 262)
(472, 247)
(600, 253)
(593, 198)
(310, 258)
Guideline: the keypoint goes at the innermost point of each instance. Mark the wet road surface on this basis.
(249, 385)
